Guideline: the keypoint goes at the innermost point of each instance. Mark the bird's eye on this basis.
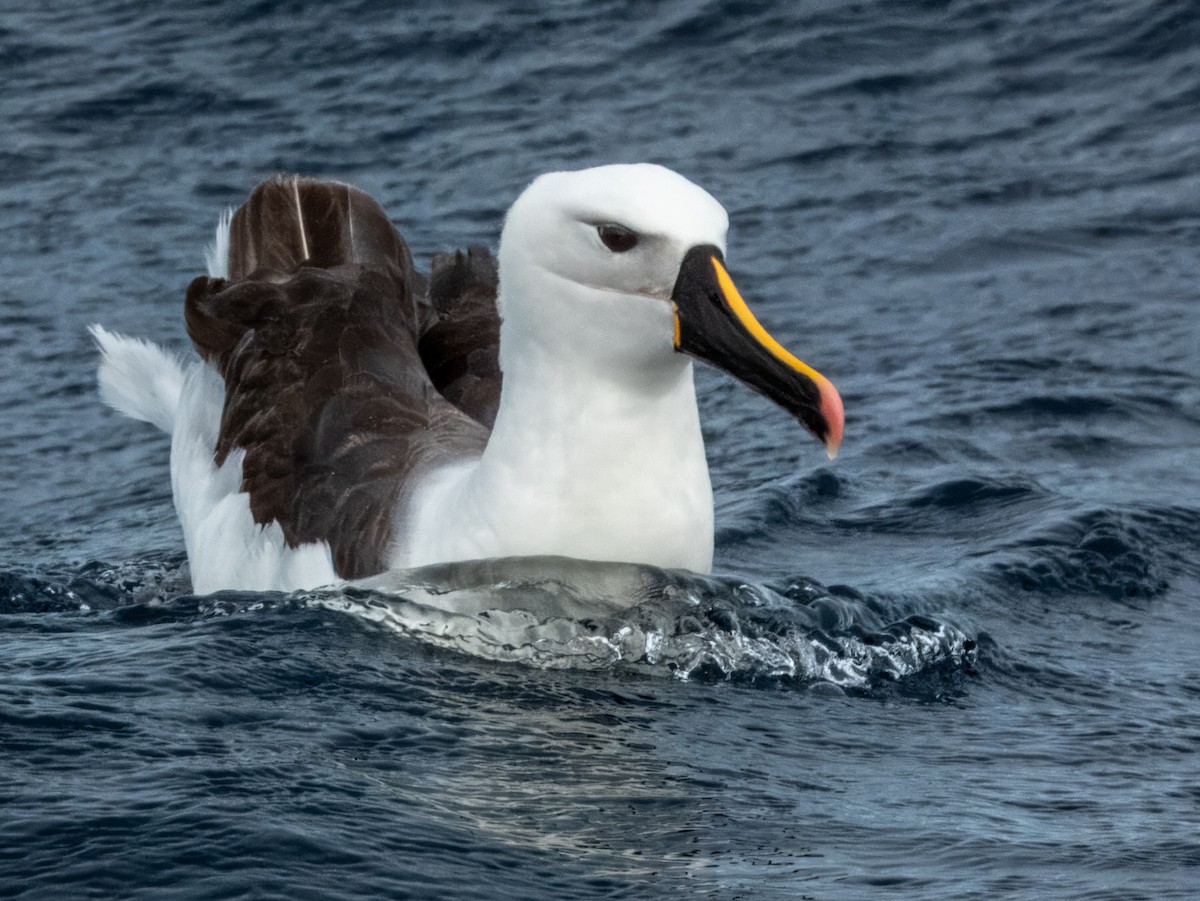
(617, 238)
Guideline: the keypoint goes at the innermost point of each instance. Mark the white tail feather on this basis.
(138, 378)
(216, 255)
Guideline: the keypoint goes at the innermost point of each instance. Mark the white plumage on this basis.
(596, 450)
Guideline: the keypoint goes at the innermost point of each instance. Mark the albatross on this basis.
(348, 415)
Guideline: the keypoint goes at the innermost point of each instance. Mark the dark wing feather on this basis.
(461, 345)
(315, 334)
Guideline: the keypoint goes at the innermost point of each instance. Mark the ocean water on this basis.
(960, 661)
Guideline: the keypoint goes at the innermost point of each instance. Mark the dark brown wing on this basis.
(461, 345)
(315, 334)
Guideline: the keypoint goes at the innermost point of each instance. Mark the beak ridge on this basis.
(713, 322)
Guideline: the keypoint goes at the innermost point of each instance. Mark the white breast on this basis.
(590, 473)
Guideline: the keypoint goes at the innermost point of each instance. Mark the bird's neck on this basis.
(584, 461)
(602, 465)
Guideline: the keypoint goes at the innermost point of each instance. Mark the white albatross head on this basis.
(617, 269)
(563, 288)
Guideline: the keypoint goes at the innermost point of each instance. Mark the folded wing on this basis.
(338, 361)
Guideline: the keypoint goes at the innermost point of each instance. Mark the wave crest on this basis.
(568, 614)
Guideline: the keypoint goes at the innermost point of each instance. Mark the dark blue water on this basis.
(959, 662)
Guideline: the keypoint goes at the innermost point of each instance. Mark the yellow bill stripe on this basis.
(754, 327)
